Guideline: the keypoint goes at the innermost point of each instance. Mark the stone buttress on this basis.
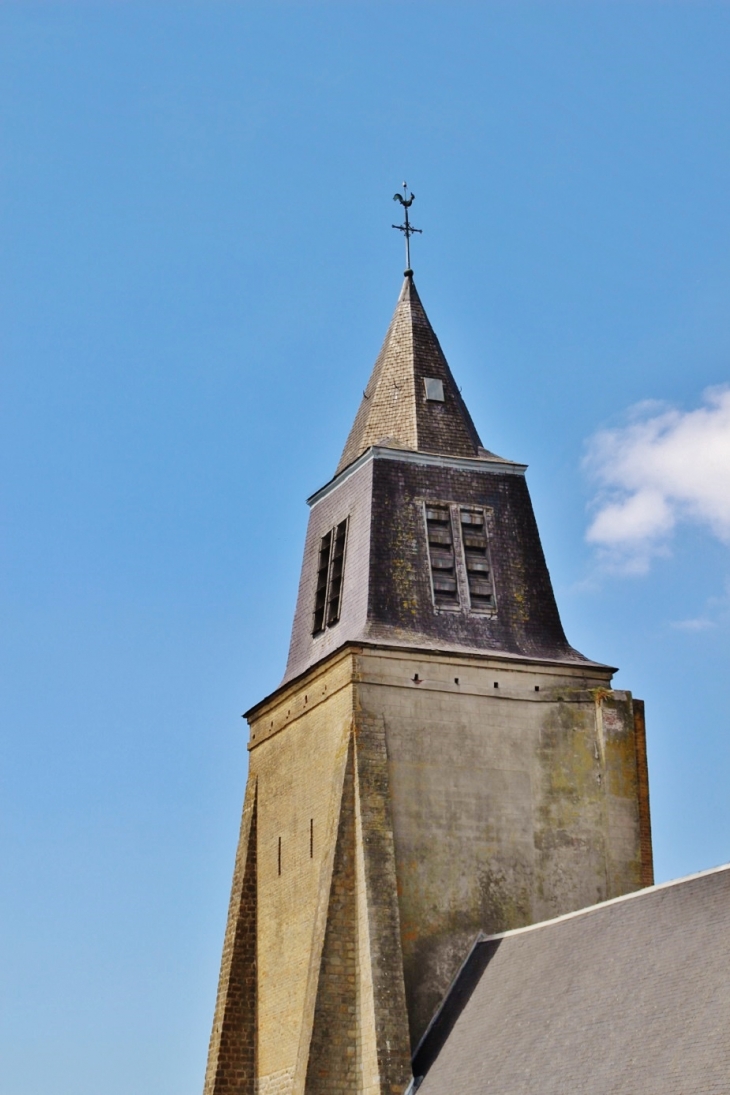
(438, 760)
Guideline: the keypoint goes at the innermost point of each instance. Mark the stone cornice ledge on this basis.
(491, 464)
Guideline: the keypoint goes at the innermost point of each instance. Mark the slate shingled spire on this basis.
(413, 446)
(395, 411)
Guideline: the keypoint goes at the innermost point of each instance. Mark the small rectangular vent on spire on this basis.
(441, 556)
(434, 389)
(330, 573)
(476, 557)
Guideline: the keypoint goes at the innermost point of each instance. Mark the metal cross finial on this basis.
(407, 229)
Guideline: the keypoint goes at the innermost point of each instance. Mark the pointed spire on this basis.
(399, 409)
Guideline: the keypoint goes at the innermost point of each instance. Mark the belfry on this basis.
(437, 761)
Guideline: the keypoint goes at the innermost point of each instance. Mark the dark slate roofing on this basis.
(631, 996)
(394, 409)
(386, 593)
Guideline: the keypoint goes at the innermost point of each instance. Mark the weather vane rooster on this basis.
(406, 228)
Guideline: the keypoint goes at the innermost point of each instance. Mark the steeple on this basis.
(437, 762)
(423, 538)
(412, 401)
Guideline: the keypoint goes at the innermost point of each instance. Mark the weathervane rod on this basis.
(407, 228)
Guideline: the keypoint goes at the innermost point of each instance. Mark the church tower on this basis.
(437, 761)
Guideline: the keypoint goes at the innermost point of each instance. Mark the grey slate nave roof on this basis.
(630, 997)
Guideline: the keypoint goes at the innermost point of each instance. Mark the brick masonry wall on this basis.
(379, 909)
(359, 1039)
(332, 1067)
(328, 1020)
(231, 1058)
(299, 770)
(369, 1077)
(276, 1083)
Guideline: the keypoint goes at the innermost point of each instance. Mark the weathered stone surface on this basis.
(446, 795)
(509, 805)
(358, 1041)
(333, 1061)
(300, 774)
(331, 1013)
(642, 768)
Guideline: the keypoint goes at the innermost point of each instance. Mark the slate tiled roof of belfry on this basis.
(404, 449)
(394, 410)
(630, 997)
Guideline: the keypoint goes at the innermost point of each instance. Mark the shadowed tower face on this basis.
(437, 760)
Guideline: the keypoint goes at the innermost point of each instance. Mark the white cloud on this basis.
(700, 623)
(662, 468)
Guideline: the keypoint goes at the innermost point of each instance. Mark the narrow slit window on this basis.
(323, 569)
(279, 857)
(476, 557)
(330, 573)
(334, 593)
(441, 557)
(311, 838)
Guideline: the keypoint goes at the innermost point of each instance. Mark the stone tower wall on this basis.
(400, 803)
(330, 1012)
(516, 797)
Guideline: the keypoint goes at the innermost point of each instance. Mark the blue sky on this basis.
(197, 269)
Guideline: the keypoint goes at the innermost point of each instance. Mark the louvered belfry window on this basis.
(441, 556)
(330, 571)
(476, 557)
(458, 554)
